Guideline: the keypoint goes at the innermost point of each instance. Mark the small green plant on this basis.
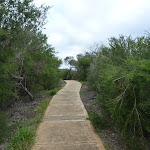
(3, 126)
(25, 135)
(97, 121)
(109, 146)
(22, 139)
(42, 107)
(53, 91)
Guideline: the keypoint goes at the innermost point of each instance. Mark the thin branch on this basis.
(20, 78)
(28, 92)
(123, 93)
(121, 77)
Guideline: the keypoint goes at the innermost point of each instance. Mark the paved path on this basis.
(65, 126)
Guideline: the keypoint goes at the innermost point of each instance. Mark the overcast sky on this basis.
(73, 25)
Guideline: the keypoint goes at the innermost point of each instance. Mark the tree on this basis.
(70, 62)
(27, 62)
(83, 64)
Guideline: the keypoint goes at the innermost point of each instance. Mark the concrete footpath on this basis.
(65, 126)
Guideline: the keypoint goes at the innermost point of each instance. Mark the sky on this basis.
(73, 25)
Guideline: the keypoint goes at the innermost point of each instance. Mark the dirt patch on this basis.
(22, 110)
(108, 137)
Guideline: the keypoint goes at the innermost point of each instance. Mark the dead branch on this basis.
(19, 78)
(28, 92)
(21, 84)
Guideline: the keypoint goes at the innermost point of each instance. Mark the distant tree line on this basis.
(120, 73)
(27, 62)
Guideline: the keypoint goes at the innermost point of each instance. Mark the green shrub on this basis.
(83, 65)
(3, 126)
(67, 74)
(97, 121)
(27, 62)
(121, 75)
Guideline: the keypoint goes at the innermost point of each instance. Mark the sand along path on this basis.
(65, 126)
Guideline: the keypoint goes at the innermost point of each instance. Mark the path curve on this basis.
(65, 126)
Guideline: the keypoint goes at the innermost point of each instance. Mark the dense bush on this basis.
(3, 126)
(27, 63)
(83, 65)
(120, 73)
(67, 74)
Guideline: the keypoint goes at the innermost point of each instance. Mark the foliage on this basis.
(83, 65)
(5, 54)
(70, 62)
(27, 63)
(120, 73)
(71, 73)
(67, 74)
(42, 107)
(25, 135)
(22, 139)
(97, 121)
(53, 91)
(3, 125)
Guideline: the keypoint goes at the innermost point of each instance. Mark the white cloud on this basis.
(55, 38)
(74, 24)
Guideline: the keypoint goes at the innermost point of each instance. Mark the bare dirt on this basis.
(21, 110)
(108, 137)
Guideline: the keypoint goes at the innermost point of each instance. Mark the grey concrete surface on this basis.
(65, 126)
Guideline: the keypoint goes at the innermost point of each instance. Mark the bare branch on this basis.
(19, 78)
(121, 77)
(28, 92)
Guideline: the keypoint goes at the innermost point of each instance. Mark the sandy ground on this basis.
(65, 126)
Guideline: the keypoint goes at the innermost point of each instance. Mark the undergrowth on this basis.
(3, 126)
(25, 135)
(53, 91)
(98, 122)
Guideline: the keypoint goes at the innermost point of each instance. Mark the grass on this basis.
(26, 131)
(42, 107)
(53, 91)
(109, 146)
(23, 138)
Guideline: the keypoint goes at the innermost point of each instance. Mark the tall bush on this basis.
(121, 75)
(28, 64)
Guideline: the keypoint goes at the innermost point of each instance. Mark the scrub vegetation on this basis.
(27, 63)
(24, 135)
(119, 73)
